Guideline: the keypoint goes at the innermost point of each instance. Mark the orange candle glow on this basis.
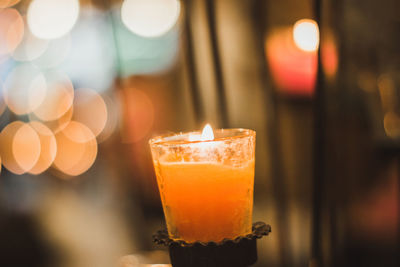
(206, 183)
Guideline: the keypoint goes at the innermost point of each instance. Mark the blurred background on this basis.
(85, 84)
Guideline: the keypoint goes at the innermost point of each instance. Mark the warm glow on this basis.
(6, 150)
(11, 30)
(306, 35)
(48, 147)
(51, 19)
(26, 147)
(24, 89)
(58, 99)
(150, 18)
(90, 109)
(221, 182)
(19, 147)
(77, 149)
(207, 133)
(194, 137)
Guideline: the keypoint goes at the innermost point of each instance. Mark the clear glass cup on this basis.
(206, 187)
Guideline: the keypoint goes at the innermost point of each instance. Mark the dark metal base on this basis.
(238, 252)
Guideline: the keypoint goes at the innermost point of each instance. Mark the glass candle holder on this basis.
(206, 187)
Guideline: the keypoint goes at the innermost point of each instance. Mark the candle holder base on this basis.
(238, 252)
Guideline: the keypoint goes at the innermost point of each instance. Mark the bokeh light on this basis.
(19, 147)
(150, 18)
(329, 56)
(56, 52)
(24, 89)
(140, 55)
(26, 147)
(51, 19)
(113, 118)
(6, 140)
(90, 109)
(139, 114)
(76, 149)
(48, 147)
(55, 125)
(11, 30)
(306, 35)
(293, 70)
(30, 47)
(58, 99)
(93, 50)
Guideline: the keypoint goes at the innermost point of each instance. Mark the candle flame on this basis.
(207, 133)
(306, 35)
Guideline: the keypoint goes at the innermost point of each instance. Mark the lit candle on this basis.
(206, 183)
(292, 56)
(293, 60)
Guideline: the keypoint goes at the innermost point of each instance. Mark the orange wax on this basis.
(206, 201)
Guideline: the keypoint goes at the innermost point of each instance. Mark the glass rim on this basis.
(160, 140)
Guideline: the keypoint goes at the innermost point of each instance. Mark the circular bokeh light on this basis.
(55, 125)
(6, 140)
(77, 149)
(58, 98)
(48, 146)
(113, 117)
(24, 89)
(11, 30)
(90, 109)
(51, 19)
(26, 147)
(19, 147)
(150, 18)
(56, 52)
(30, 47)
